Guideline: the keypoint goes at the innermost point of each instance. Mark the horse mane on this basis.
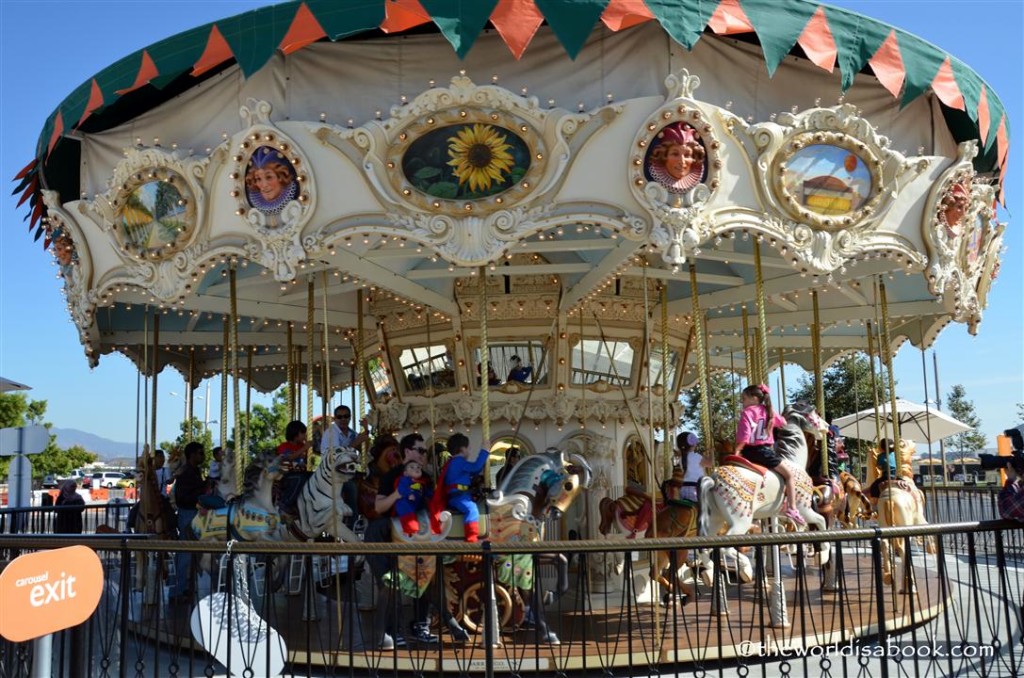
(526, 474)
(253, 471)
(788, 440)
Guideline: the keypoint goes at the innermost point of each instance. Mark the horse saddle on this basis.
(737, 460)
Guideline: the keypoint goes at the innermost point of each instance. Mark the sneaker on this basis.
(459, 634)
(420, 632)
(795, 516)
(386, 643)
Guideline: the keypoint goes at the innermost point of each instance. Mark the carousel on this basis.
(531, 222)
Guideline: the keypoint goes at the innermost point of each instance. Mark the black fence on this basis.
(590, 609)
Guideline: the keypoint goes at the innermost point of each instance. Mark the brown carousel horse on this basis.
(673, 517)
(855, 505)
(152, 514)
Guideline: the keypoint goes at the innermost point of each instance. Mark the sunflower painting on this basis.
(466, 162)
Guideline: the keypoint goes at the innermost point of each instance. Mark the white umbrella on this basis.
(915, 421)
(8, 385)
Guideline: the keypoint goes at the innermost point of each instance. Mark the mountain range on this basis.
(103, 448)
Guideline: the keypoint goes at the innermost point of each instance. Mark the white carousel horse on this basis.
(227, 486)
(252, 516)
(734, 496)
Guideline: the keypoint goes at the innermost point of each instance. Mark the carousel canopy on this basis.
(335, 179)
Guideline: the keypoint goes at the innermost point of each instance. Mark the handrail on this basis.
(145, 543)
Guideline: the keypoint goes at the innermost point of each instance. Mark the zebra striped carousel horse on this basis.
(320, 507)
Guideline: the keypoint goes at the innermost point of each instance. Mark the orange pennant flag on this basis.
(983, 116)
(217, 52)
(517, 22)
(730, 19)
(95, 101)
(58, 129)
(887, 63)
(622, 14)
(147, 71)
(945, 87)
(818, 43)
(401, 15)
(305, 30)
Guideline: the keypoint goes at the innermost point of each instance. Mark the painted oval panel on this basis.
(270, 180)
(676, 158)
(155, 215)
(829, 180)
(466, 162)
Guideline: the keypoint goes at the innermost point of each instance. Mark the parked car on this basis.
(106, 479)
(127, 481)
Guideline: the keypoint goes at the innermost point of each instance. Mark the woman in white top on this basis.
(693, 464)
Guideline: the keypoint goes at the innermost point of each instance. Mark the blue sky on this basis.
(49, 48)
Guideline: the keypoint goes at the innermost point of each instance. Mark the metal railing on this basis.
(319, 610)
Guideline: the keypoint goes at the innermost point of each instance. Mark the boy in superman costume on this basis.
(453, 488)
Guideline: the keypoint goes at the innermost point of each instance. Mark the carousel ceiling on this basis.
(311, 215)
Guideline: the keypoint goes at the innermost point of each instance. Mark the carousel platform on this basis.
(597, 630)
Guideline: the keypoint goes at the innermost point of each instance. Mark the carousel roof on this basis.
(812, 208)
(905, 64)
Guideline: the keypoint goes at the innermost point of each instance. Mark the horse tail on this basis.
(707, 483)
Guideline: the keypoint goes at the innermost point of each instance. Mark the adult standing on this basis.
(162, 473)
(188, 487)
(70, 506)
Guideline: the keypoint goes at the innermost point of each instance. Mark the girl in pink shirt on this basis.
(755, 441)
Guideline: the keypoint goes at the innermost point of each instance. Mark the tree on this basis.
(962, 409)
(17, 410)
(192, 429)
(266, 427)
(723, 395)
(847, 386)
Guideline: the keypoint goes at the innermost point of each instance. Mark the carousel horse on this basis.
(539, 488)
(227, 487)
(151, 515)
(251, 516)
(673, 517)
(737, 493)
(828, 492)
(854, 506)
(901, 503)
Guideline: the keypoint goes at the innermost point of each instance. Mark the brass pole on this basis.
(156, 364)
(310, 301)
(893, 414)
(290, 376)
(819, 382)
(702, 366)
(359, 371)
(240, 457)
(665, 386)
(872, 465)
(762, 357)
(782, 378)
(246, 433)
(748, 359)
(485, 422)
(190, 392)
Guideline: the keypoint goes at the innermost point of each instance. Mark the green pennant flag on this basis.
(460, 21)
(778, 24)
(684, 20)
(922, 61)
(255, 35)
(340, 18)
(572, 20)
(857, 39)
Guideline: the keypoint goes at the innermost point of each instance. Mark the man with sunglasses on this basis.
(340, 433)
